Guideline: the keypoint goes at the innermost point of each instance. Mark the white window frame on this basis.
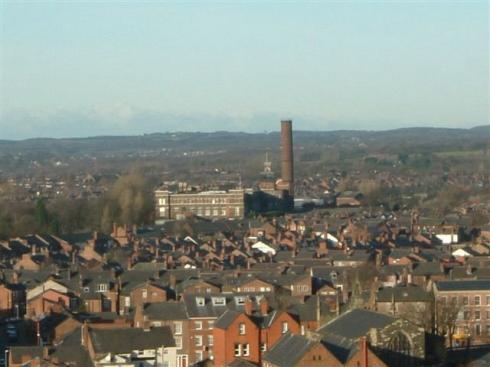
(246, 350)
(178, 342)
(242, 328)
(284, 327)
(102, 287)
(178, 327)
(197, 325)
(198, 340)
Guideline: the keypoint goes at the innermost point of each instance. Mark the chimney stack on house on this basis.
(248, 307)
(364, 351)
(264, 307)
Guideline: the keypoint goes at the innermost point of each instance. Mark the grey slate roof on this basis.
(356, 323)
(288, 350)
(73, 354)
(342, 348)
(226, 319)
(403, 294)
(166, 311)
(463, 285)
(125, 340)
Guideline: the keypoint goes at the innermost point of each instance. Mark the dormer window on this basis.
(240, 300)
(102, 287)
(200, 301)
(219, 301)
(86, 289)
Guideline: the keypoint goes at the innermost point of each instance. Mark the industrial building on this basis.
(270, 196)
(207, 204)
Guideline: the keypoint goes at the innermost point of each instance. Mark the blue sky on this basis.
(89, 68)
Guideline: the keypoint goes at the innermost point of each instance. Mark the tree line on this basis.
(129, 201)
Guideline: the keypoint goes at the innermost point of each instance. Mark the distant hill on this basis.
(422, 137)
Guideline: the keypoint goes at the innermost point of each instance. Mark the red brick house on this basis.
(236, 335)
(247, 335)
(47, 302)
(12, 299)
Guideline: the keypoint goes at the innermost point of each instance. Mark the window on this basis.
(454, 301)
(477, 315)
(488, 329)
(156, 323)
(200, 301)
(263, 347)
(127, 301)
(240, 300)
(198, 340)
(465, 300)
(198, 325)
(219, 301)
(102, 287)
(199, 355)
(467, 315)
(284, 327)
(178, 328)
(178, 342)
(477, 329)
(238, 350)
(302, 330)
(210, 340)
(477, 300)
(400, 346)
(246, 350)
(86, 289)
(488, 300)
(210, 324)
(144, 293)
(241, 328)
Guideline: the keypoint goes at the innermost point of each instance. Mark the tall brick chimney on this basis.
(287, 170)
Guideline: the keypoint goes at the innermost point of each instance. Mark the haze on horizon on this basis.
(117, 68)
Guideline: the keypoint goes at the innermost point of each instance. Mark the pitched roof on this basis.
(166, 311)
(226, 319)
(356, 323)
(403, 294)
(124, 340)
(463, 285)
(288, 350)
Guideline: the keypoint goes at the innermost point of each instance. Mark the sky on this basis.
(73, 68)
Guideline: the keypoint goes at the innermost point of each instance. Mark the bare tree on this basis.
(446, 315)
